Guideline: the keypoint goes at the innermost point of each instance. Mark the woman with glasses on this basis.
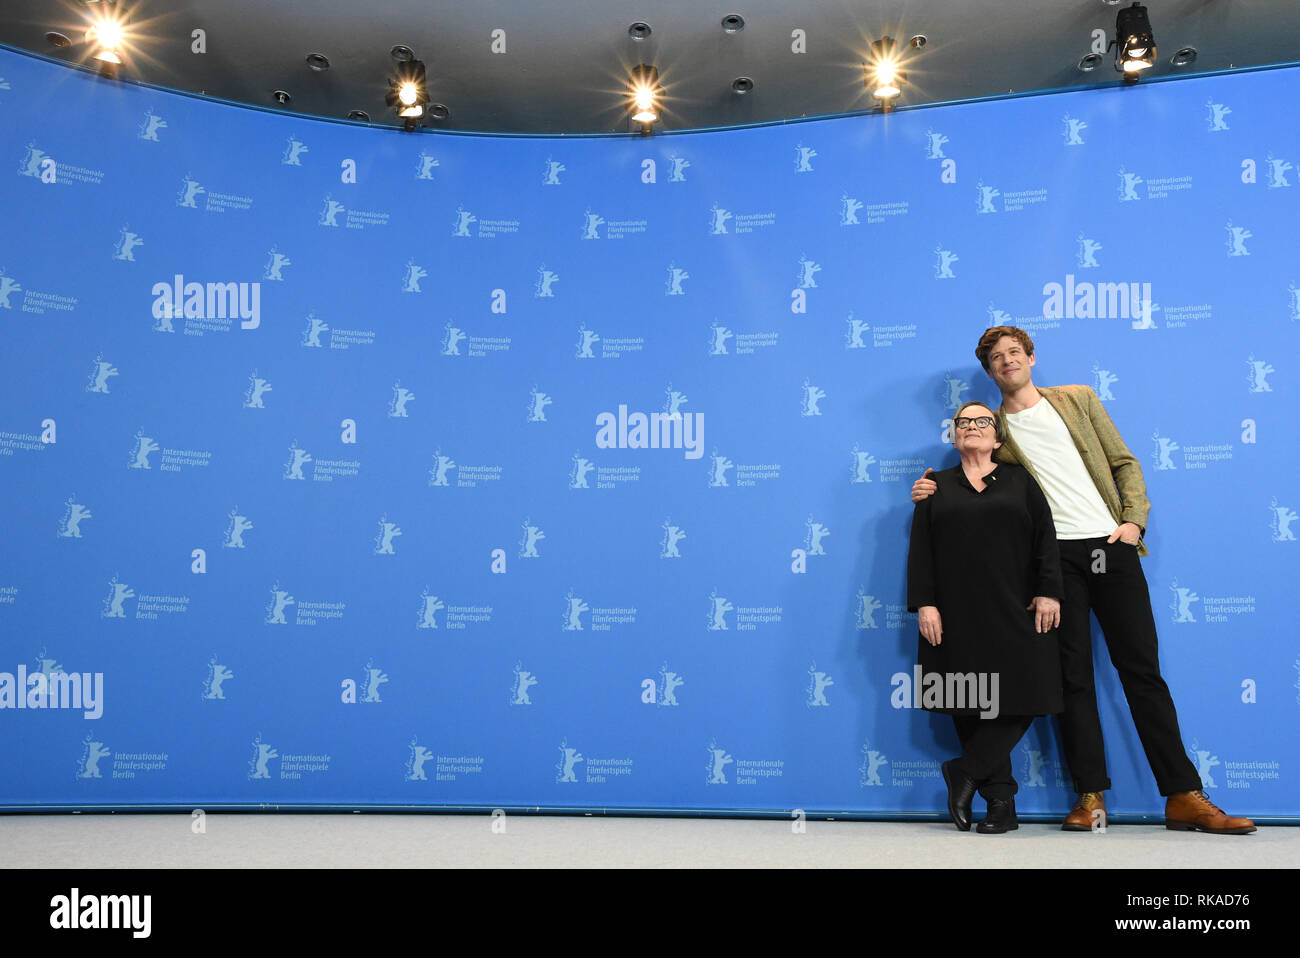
(984, 577)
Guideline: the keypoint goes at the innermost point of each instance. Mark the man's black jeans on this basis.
(1117, 594)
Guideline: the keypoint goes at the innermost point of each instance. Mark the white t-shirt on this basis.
(1078, 510)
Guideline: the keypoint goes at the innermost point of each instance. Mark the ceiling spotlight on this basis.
(109, 36)
(1184, 56)
(645, 96)
(440, 111)
(361, 115)
(1135, 47)
(1090, 62)
(639, 30)
(57, 40)
(742, 85)
(402, 53)
(318, 62)
(407, 93)
(883, 78)
(733, 23)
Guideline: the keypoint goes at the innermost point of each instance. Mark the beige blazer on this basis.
(1115, 471)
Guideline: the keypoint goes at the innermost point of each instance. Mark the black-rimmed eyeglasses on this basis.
(979, 422)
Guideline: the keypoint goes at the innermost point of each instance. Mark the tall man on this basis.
(1094, 486)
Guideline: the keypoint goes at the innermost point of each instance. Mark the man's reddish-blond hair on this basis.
(991, 337)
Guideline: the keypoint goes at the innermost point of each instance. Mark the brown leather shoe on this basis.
(1192, 811)
(1081, 817)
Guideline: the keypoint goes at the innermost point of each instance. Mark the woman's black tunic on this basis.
(980, 557)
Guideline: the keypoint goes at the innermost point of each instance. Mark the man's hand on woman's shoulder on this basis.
(924, 487)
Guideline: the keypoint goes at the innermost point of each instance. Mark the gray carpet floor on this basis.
(522, 841)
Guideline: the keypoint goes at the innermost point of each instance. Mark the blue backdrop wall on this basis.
(308, 478)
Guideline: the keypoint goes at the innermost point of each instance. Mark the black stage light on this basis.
(407, 93)
(645, 96)
(882, 76)
(1135, 47)
(109, 36)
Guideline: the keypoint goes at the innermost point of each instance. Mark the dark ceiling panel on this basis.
(566, 62)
